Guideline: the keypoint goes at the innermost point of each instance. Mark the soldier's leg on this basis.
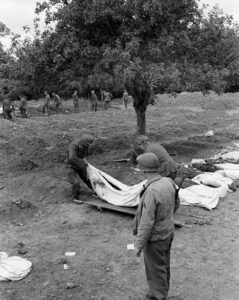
(74, 179)
(77, 106)
(7, 115)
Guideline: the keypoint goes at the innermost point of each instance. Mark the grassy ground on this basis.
(204, 255)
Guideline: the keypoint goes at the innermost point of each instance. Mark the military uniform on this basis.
(57, 102)
(106, 99)
(93, 101)
(7, 107)
(77, 165)
(23, 107)
(75, 101)
(154, 226)
(46, 104)
(168, 166)
(125, 99)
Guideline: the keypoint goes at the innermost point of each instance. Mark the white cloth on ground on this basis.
(202, 195)
(232, 156)
(227, 166)
(13, 268)
(213, 179)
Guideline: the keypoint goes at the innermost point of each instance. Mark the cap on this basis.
(148, 162)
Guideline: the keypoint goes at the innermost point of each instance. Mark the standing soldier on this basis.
(125, 98)
(75, 100)
(93, 101)
(57, 102)
(151, 98)
(106, 99)
(46, 104)
(7, 106)
(23, 107)
(154, 225)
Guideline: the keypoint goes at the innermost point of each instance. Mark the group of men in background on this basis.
(105, 98)
(8, 107)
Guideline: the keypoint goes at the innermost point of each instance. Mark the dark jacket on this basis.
(76, 152)
(166, 162)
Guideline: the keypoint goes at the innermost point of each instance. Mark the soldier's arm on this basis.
(147, 219)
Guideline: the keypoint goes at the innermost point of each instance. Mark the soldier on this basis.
(152, 96)
(7, 106)
(75, 100)
(77, 164)
(154, 225)
(46, 104)
(57, 102)
(106, 99)
(125, 98)
(23, 107)
(93, 101)
(168, 166)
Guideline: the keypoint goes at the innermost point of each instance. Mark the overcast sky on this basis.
(17, 13)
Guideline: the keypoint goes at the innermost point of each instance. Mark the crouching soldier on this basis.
(77, 163)
(168, 166)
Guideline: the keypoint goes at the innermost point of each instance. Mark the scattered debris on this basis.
(70, 254)
(71, 285)
(21, 248)
(78, 201)
(209, 133)
(13, 268)
(130, 247)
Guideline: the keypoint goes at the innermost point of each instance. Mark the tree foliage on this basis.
(144, 46)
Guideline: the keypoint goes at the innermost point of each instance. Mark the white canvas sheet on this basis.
(123, 195)
(232, 156)
(213, 179)
(202, 195)
(112, 190)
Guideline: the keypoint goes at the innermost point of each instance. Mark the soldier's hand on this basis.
(138, 252)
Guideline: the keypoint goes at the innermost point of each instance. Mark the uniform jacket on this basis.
(94, 98)
(166, 162)
(157, 206)
(76, 152)
(7, 105)
(23, 103)
(75, 97)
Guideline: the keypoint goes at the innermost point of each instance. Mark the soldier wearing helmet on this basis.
(167, 165)
(77, 163)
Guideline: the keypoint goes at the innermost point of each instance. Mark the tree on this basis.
(142, 45)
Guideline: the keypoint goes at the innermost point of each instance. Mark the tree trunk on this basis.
(141, 121)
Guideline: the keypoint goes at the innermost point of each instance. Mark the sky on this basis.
(17, 13)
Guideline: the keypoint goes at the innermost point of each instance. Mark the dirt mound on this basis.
(43, 187)
(193, 145)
